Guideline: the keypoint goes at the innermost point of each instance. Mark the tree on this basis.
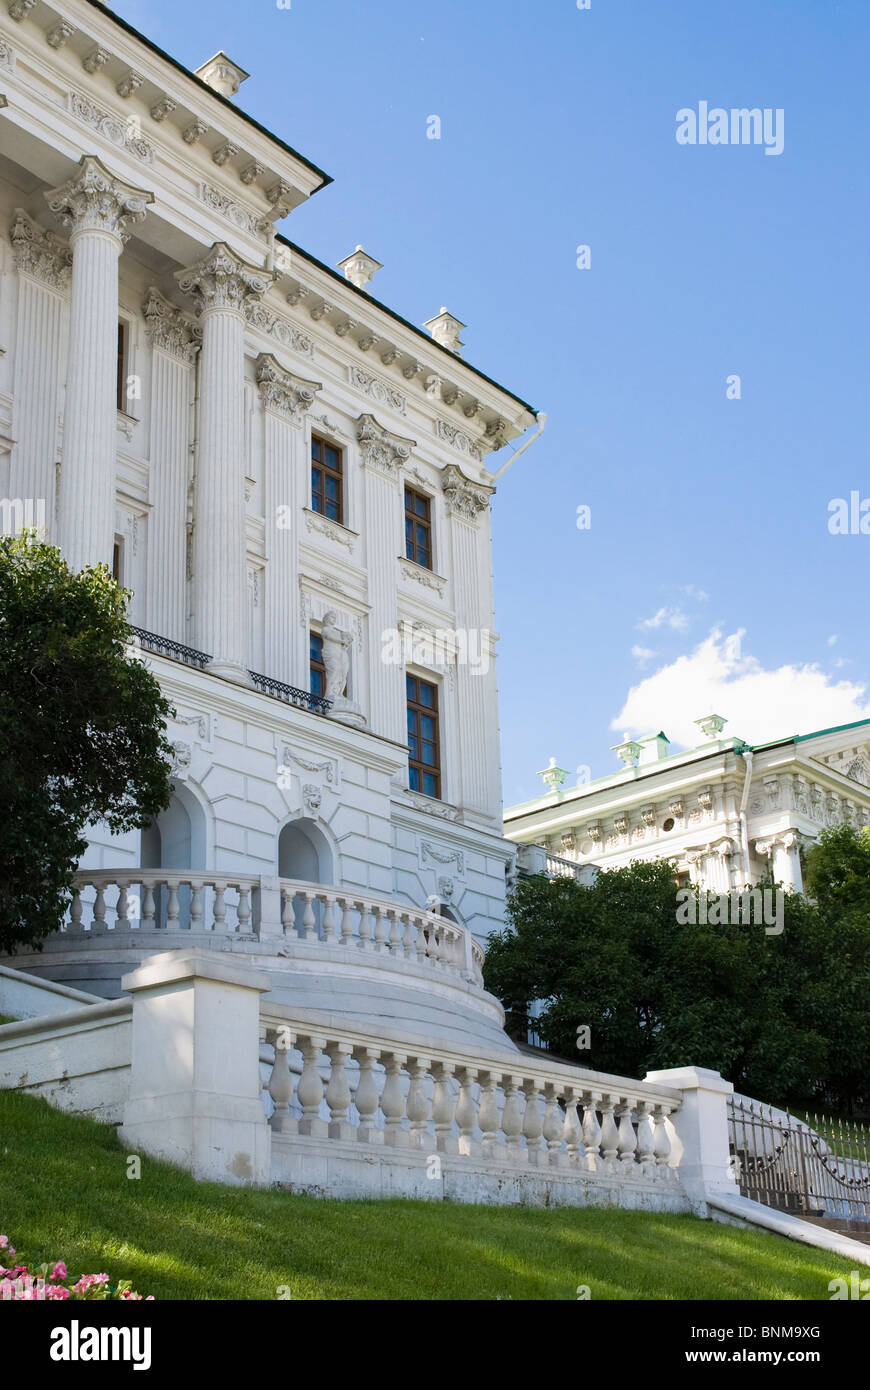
(82, 735)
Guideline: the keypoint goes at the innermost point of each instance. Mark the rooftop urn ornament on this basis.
(445, 329)
(628, 751)
(359, 267)
(553, 777)
(222, 74)
(711, 725)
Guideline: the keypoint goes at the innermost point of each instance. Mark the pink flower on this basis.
(59, 1271)
(4, 1241)
(87, 1280)
(56, 1291)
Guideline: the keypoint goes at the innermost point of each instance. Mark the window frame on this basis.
(326, 471)
(316, 664)
(414, 705)
(425, 522)
(121, 373)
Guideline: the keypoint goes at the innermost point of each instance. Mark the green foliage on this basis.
(782, 1016)
(81, 730)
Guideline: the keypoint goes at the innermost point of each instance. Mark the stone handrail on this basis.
(183, 901)
(512, 1109)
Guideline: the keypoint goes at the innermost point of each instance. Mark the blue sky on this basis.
(708, 575)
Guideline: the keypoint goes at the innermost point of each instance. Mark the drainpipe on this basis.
(542, 422)
(744, 801)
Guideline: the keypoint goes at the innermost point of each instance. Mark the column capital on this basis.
(281, 390)
(222, 280)
(93, 200)
(169, 329)
(38, 253)
(464, 498)
(380, 449)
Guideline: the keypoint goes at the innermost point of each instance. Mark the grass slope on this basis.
(65, 1194)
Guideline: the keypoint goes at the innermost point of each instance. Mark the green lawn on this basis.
(4, 1019)
(64, 1194)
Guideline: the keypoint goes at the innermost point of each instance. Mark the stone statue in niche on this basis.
(336, 655)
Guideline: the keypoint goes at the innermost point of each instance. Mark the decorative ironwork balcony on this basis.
(290, 694)
(165, 646)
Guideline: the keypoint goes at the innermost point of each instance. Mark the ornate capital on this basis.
(381, 449)
(169, 329)
(283, 391)
(93, 200)
(464, 498)
(222, 280)
(38, 253)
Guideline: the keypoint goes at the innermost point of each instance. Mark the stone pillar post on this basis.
(787, 863)
(194, 1085)
(175, 343)
(97, 207)
(285, 399)
(221, 284)
(44, 265)
(701, 1130)
(466, 502)
(383, 456)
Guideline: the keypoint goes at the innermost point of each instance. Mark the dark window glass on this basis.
(424, 761)
(327, 490)
(418, 528)
(121, 383)
(318, 670)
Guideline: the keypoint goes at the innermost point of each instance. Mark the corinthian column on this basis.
(221, 285)
(96, 207)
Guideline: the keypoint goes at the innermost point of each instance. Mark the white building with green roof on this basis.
(724, 813)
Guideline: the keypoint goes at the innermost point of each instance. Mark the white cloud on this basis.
(832, 641)
(760, 705)
(643, 655)
(666, 617)
(692, 591)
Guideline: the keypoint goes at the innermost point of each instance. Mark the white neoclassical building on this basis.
(724, 813)
(293, 481)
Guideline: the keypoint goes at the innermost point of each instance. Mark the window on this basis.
(121, 384)
(418, 528)
(117, 561)
(424, 766)
(327, 492)
(318, 670)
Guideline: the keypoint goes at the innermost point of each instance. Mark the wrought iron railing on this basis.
(782, 1162)
(165, 646)
(290, 694)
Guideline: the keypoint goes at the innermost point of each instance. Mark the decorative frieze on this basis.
(458, 439)
(421, 575)
(380, 448)
(282, 330)
(463, 497)
(376, 390)
(125, 134)
(315, 521)
(39, 253)
(170, 329)
(283, 391)
(234, 212)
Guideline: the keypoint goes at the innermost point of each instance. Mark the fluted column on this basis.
(175, 343)
(97, 208)
(383, 455)
(466, 504)
(285, 399)
(44, 265)
(221, 284)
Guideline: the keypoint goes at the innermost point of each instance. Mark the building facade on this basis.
(724, 814)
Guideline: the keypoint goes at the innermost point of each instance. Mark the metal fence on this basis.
(787, 1164)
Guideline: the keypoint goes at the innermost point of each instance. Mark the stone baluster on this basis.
(418, 1105)
(646, 1139)
(553, 1125)
(97, 207)
(591, 1131)
(288, 911)
(395, 934)
(346, 905)
(489, 1118)
(627, 1142)
(75, 913)
(443, 1109)
(408, 946)
(512, 1119)
(98, 926)
(533, 1124)
(338, 1096)
(393, 1101)
(609, 1134)
(571, 1131)
(122, 908)
(196, 908)
(330, 924)
(421, 944)
(466, 1113)
(148, 904)
(309, 1092)
(662, 1145)
(380, 929)
(220, 907)
(281, 1085)
(243, 911)
(366, 1097)
(309, 921)
(365, 931)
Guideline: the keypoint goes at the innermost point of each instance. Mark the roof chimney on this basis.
(222, 74)
(445, 329)
(359, 268)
